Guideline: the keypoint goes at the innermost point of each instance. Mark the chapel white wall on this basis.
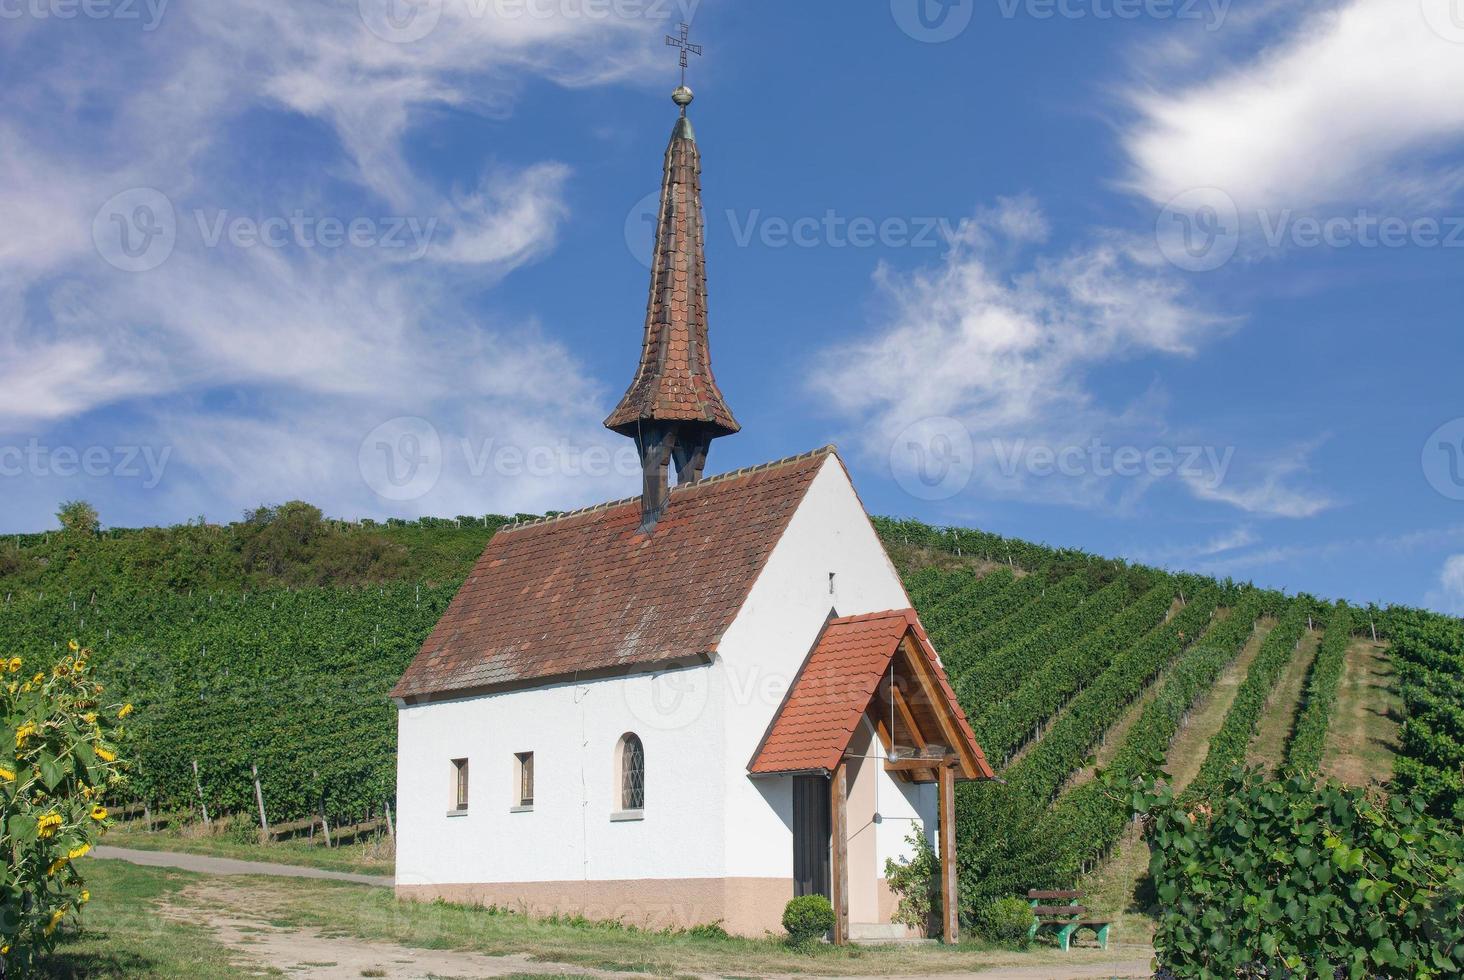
(765, 646)
(573, 731)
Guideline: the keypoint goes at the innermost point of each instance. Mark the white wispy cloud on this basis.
(1003, 342)
(1449, 596)
(313, 345)
(1269, 488)
(1342, 108)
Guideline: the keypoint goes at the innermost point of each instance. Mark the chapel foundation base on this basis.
(743, 906)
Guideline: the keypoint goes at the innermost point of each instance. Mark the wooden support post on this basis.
(839, 846)
(201, 805)
(948, 899)
(390, 827)
(259, 798)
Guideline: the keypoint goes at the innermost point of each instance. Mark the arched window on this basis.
(631, 763)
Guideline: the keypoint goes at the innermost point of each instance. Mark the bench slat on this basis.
(1041, 894)
(1060, 910)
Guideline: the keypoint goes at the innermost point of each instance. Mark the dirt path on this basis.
(1273, 731)
(1362, 736)
(204, 864)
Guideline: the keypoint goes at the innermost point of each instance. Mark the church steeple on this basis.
(674, 409)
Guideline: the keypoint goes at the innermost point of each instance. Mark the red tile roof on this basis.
(588, 593)
(834, 688)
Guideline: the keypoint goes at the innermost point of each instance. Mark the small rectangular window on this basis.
(525, 781)
(460, 784)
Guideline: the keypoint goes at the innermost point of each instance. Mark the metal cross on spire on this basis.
(687, 49)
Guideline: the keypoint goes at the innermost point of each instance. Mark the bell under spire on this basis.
(674, 409)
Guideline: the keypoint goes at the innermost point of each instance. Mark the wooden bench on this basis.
(1061, 911)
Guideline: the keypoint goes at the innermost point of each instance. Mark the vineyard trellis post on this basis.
(390, 827)
(198, 783)
(259, 798)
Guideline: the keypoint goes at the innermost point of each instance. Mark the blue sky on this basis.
(1173, 281)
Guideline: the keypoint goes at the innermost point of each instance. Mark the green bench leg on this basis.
(1065, 936)
(1103, 937)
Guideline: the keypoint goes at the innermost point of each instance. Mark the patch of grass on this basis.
(123, 934)
(365, 858)
(368, 913)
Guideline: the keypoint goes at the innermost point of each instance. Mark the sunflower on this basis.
(125, 710)
(48, 824)
(105, 754)
(99, 813)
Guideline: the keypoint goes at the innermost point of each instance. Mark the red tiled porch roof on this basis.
(829, 698)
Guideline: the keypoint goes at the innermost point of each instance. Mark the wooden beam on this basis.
(948, 898)
(938, 706)
(839, 845)
(908, 717)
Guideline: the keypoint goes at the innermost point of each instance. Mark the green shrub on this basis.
(917, 883)
(1005, 921)
(708, 930)
(807, 918)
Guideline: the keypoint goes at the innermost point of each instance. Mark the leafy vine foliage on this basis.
(1303, 879)
(1429, 652)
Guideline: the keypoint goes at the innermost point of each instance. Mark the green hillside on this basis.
(272, 643)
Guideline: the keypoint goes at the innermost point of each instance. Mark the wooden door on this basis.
(811, 836)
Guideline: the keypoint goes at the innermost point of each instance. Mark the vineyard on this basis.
(1064, 662)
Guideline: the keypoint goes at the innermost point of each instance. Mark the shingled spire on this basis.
(673, 409)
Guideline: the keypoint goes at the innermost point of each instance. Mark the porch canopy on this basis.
(881, 668)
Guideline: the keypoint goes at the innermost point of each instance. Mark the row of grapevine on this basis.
(998, 848)
(1087, 821)
(993, 594)
(1430, 658)
(1004, 725)
(980, 639)
(293, 682)
(1002, 669)
(1228, 746)
(1304, 752)
(972, 610)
